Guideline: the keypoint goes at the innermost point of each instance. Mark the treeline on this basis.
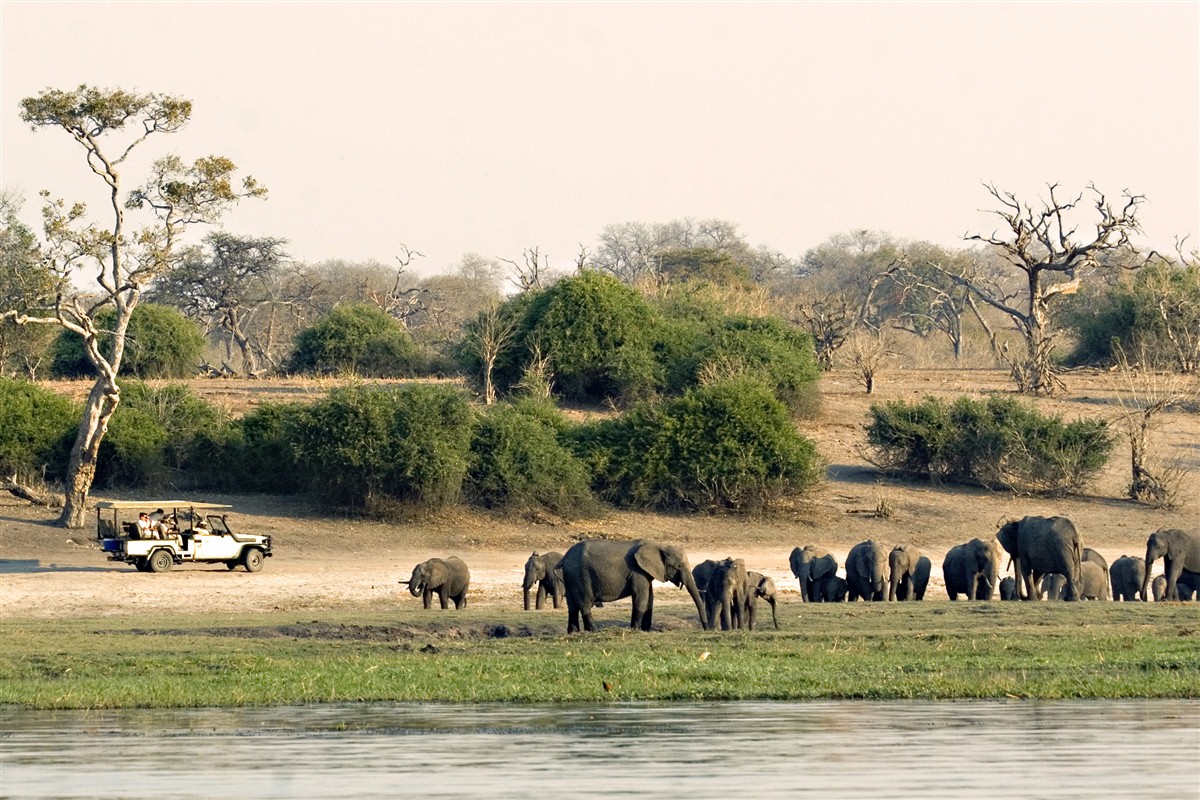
(239, 305)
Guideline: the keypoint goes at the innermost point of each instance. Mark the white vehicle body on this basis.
(191, 532)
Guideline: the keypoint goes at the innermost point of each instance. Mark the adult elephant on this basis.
(815, 568)
(761, 588)
(1039, 545)
(1125, 576)
(448, 578)
(970, 569)
(727, 594)
(541, 570)
(602, 570)
(1179, 550)
(903, 564)
(865, 568)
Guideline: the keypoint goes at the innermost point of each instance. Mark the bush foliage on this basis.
(159, 343)
(1000, 442)
(374, 449)
(519, 464)
(727, 446)
(358, 339)
(36, 426)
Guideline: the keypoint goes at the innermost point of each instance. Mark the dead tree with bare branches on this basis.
(1051, 259)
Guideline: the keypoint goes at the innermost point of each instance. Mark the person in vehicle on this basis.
(144, 527)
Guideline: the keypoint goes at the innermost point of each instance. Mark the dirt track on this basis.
(325, 561)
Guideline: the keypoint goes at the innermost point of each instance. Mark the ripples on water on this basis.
(1084, 749)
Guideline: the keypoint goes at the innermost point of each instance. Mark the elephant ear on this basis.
(794, 560)
(822, 567)
(649, 558)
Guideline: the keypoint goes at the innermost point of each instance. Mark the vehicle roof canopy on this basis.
(120, 504)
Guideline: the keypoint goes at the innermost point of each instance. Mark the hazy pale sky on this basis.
(491, 127)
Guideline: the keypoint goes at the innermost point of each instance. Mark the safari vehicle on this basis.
(189, 532)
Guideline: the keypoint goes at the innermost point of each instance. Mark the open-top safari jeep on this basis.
(189, 532)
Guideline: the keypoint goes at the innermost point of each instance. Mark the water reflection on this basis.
(819, 749)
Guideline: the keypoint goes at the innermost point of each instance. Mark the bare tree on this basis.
(486, 339)
(868, 351)
(403, 300)
(1146, 396)
(224, 285)
(530, 273)
(176, 195)
(1041, 244)
(829, 320)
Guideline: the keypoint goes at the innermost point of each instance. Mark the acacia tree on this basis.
(109, 124)
(223, 285)
(1051, 262)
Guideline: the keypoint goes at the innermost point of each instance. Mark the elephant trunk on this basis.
(805, 595)
(525, 592)
(690, 584)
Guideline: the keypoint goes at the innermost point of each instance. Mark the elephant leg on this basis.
(442, 598)
(541, 597)
(1172, 568)
(572, 617)
(460, 602)
(427, 598)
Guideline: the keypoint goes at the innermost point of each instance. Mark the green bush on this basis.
(159, 343)
(374, 449)
(1000, 442)
(595, 330)
(358, 339)
(1155, 316)
(726, 446)
(159, 434)
(519, 464)
(36, 426)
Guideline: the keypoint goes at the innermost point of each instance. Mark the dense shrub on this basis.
(372, 448)
(519, 464)
(1155, 316)
(159, 343)
(36, 426)
(595, 330)
(158, 434)
(997, 442)
(729, 445)
(358, 339)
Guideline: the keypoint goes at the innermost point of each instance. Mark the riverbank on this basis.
(875, 651)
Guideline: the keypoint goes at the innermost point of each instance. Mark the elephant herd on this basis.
(1046, 554)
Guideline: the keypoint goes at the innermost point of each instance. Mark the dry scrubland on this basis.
(325, 561)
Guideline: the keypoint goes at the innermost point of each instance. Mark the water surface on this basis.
(818, 749)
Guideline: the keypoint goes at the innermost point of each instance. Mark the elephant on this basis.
(1039, 545)
(760, 587)
(726, 595)
(1089, 554)
(865, 566)
(1125, 577)
(1008, 589)
(838, 589)
(542, 570)
(971, 568)
(814, 567)
(1052, 586)
(906, 568)
(1188, 586)
(447, 578)
(601, 569)
(1179, 550)
(1095, 581)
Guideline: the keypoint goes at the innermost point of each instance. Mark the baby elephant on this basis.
(542, 571)
(448, 578)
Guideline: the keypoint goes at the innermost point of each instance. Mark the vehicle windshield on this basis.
(217, 524)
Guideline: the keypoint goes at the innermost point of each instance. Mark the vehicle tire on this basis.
(253, 559)
(160, 561)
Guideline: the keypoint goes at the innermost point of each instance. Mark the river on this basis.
(842, 749)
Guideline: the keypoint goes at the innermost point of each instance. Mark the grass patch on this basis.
(885, 651)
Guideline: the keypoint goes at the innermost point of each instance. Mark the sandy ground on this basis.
(324, 560)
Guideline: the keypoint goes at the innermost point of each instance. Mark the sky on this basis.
(489, 128)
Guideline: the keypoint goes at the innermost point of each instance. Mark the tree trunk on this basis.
(81, 471)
